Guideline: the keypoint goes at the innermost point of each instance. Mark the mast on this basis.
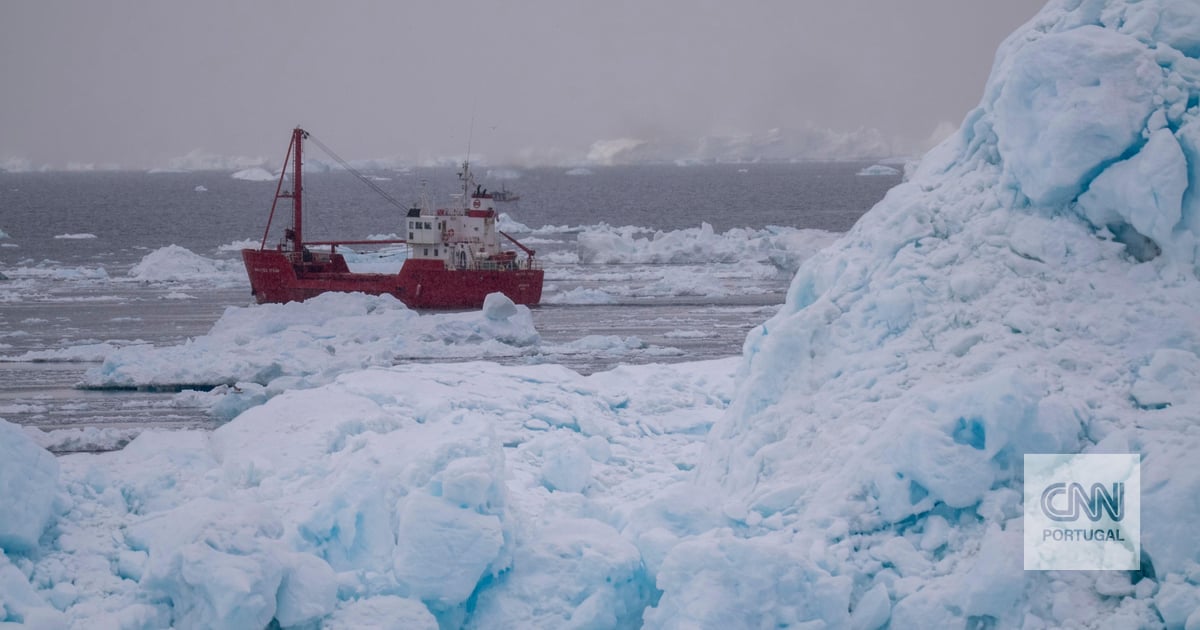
(467, 180)
(298, 136)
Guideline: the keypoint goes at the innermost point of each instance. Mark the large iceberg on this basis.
(1032, 289)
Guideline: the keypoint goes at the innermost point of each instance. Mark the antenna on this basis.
(423, 200)
(465, 176)
(471, 131)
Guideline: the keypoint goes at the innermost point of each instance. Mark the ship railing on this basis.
(307, 255)
(523, 264)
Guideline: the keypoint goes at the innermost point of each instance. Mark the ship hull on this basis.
(277, 276)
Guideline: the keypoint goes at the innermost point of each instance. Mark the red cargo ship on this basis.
(454, 254)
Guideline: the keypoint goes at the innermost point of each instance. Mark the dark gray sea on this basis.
(624, 250)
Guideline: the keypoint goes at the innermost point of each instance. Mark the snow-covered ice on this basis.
(1036, 275)
(200, 160)
(685, 262)
(81, 353)
(426, 492)
(1030, 288)
(254, 353)
(255, 174)
(580, 295)
(615, 264)
(168, 266)
(75, 236)
(777, 144)
(238, 246)
(317, 339)
(82, 439)
(782, 247)
(15, 165)
(51, 271)
(178, 264)
(607, 152)
(506, 223)
(28, 475)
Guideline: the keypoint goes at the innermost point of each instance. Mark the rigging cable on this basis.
(357, 174)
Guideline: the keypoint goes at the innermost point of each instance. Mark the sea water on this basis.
(665, 258)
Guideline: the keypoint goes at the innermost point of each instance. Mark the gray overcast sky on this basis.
(138, 83)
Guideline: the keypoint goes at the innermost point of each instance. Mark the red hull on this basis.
(277, 276)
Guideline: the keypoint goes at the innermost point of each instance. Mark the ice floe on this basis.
(876, 170)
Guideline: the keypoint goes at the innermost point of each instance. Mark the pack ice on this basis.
(1033, 288)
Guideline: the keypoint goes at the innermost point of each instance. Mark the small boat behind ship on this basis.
(504, 195)
(455, 258)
